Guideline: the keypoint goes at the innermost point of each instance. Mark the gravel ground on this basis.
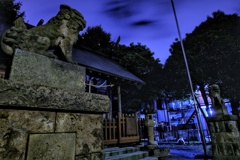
(182, 152)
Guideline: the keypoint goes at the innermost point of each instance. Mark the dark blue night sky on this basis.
(149, 22)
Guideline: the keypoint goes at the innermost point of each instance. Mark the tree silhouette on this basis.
(10, 10)
(136, 58)
(213, 53)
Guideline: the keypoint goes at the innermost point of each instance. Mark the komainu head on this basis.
(59, 33)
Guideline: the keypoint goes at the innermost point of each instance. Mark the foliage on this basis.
(139, 60)
(11, 10)
(175, 78)
(96, 39)
(136, 58)
(213, 53)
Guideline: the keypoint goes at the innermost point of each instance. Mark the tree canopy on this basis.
(96, 39)
(136, 58)
(11, 10)
(213, 53)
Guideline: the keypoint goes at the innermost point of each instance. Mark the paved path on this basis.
(183, 152)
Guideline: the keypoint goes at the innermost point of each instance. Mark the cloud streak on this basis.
(149, 22)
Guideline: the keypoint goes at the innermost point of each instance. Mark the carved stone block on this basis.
(93, 156)
(221, 149)
(88, 128)
(35, 96)
(231, 126)
(51, 146)
(217, 138)
(211, 127)
(229, 149)
(236, 148)
(15, 125)
(31, 68)
(221, 126)
(231, 137)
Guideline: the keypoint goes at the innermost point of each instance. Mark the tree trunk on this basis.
(205, 98)
(235, 105)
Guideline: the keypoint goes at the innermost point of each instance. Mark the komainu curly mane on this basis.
(60, 31)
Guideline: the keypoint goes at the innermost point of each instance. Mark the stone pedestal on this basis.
(225, 137)
(44, 111)
(159, 152)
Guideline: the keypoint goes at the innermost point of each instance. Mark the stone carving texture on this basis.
(45, 98)
(225, 137)
(51, 146)
(93, 156)
(223, 128)
(33, 96)
(15, 127)
(31, 68)
(218, 105)
(60, 31)
(88, 130)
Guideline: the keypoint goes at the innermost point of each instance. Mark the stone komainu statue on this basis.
(60, 32)
(218, 105)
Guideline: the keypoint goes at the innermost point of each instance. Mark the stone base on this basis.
(222, 118)
(160, 152)
(20, 95)
(17, 126)
(156, 151)
(151, 146)
(44, 98)
(32, 68)
(227, 157)
(225, 136)
(58, 145)
(93, 156)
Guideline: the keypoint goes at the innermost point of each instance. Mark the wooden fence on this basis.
(142, 128)
(123, 129)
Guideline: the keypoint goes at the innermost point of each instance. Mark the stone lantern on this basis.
(148, 111)
(152, 148)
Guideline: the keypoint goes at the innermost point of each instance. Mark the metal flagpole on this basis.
(190, 81)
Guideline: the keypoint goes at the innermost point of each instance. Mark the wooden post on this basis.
(119, 100)
(119, 115)
(136, 118)
(119, 128)
(109, 89)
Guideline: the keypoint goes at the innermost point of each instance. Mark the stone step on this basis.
(150, 158)
(129, 156)
(117, 151)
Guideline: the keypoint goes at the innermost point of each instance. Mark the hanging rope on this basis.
(98, 86)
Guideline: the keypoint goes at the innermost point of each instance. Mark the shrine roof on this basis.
(101, 64)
